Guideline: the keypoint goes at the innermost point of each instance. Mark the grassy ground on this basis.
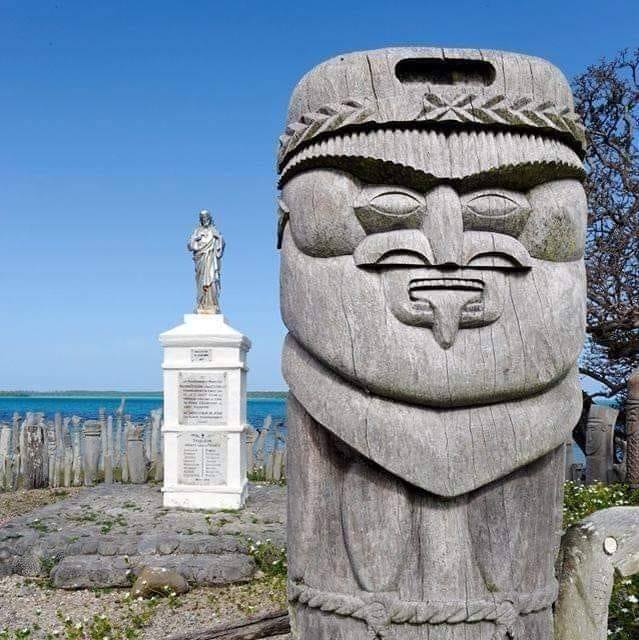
(30, 609)
(16, 503)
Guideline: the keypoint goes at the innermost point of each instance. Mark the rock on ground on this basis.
(155, 581)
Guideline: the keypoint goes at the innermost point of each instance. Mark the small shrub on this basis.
(269, 558)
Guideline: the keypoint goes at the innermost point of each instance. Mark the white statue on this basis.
(207, 245)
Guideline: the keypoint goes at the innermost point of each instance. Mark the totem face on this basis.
(432, 252)
(444, 275)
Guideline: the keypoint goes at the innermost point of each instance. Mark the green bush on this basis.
(580, 500)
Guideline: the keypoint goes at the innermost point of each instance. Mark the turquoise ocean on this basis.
(137, 405)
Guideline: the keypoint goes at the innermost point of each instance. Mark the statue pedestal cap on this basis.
(205, 424)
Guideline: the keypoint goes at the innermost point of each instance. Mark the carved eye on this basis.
(388, 208)
(493, 261)
(493, 205)
(395, 203)
(496, 210)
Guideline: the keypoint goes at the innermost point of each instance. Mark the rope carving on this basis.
(380, 610)
(465, 108)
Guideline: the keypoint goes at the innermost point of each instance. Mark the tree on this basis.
(607, 98)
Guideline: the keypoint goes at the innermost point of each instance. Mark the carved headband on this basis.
(422, 88)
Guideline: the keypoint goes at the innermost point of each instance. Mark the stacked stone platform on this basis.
(105, 535)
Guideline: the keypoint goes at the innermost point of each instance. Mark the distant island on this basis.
(120, 394)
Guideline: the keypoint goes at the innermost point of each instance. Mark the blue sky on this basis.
(120, 119)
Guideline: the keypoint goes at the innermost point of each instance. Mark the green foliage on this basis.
(38, 525)
(623, 615)
(89, 516)
(137, 616)
(46, 566)
(269, 558)
(16, 634)
(258, 474)
(249, 597)
(582, 500)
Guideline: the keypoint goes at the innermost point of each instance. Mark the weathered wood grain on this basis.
(433, 287)
(632, 430)
(592, 551)
(600, 443)
(263, 626)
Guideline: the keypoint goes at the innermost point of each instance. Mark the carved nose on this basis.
(443, 225)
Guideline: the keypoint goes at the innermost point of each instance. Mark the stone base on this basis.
(100, 535)
(204, 414)
(205, 498)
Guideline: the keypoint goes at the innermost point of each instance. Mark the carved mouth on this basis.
(445, 298)
(421, 289)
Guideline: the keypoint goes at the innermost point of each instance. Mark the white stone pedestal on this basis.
(204, 414)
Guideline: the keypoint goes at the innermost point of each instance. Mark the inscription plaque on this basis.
(202, 458)
(201, 355)
(202, 398)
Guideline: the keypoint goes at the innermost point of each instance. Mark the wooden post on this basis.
(51, 446)
(77, 451)
(146, 438)
(35, 455)
(432, 386)
(119, 442)
(156, 421)
(28, 419)
(6, 455)
(92, 434)
(632, 430)
(103, 436)
(135, 456)
(251, 437)
(600, 443)
(68, 453)
(124, 458)
(59, 449)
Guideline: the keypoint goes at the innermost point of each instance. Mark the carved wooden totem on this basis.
(432, 223)
(632, 430)
(600, 443)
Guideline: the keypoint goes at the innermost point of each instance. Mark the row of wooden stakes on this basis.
(68, 451)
